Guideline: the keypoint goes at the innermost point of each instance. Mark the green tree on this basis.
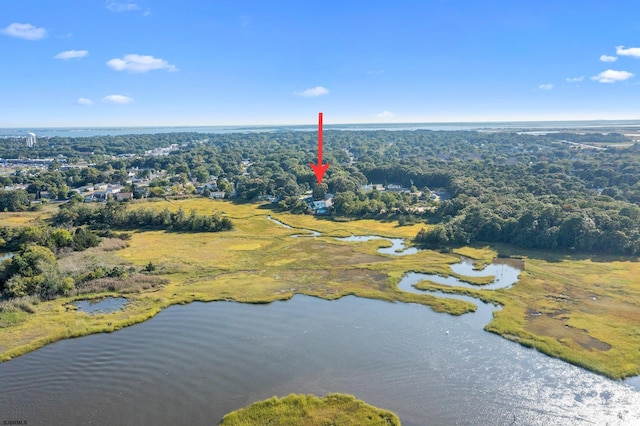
(61, 238)
(34, 271)
(83, 238)
(13, 201)
(201, 174)
(319, 191)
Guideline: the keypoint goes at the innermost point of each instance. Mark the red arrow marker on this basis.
(319, 168)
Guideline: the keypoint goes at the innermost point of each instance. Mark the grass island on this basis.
(310, 410)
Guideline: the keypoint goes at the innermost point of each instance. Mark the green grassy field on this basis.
(19, 219)
(581, 310)
(308, 410)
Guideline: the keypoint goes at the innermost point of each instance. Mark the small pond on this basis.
(101, 306)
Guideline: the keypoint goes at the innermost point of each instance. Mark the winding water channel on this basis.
(192, 364)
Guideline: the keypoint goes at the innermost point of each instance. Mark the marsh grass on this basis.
(479, 281)
(24, 304)
(136, 283)
(259, 262)
(480, 254)
(113, 244)
(309, 410)
(585, 312)
(20, 219)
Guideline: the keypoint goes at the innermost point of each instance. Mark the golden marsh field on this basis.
(585, 311)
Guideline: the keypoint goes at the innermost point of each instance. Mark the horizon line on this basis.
(110, 126)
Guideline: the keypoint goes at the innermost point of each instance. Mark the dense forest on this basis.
(546, 191)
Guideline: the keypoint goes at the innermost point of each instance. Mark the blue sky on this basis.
(209, 62)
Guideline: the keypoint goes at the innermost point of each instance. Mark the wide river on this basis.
(191, 364)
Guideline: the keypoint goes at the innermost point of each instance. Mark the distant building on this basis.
(269, 198)
(97, 196)
(320, 206)
(394, 188)
(374, 186)
(31, 140)
(124, 196)
(100, 196)
(114, 188)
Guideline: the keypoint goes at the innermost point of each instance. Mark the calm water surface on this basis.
(505, 273)
(397, 247)
(192, 364)
(514, 125)
(101, 306)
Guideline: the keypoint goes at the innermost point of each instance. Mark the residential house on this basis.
(123, 196)
(101, 196)
(374, 186)
(269, 198)
(320, 206)
(114, 188)
(394, 188)
(81, 189)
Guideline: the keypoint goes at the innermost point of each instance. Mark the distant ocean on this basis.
(507, 125)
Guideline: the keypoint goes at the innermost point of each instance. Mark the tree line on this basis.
(532, 191)
(118, 216)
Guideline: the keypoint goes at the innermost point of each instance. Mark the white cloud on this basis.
(631, 51)
(117, 99)
(115, 6)
(84, 101)
(140, 64)
(607, 58)
(385, 114)
(25, 31)
(313, 91)
(574, 79)
(547, 86)
(71, 54)
(611, 76)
